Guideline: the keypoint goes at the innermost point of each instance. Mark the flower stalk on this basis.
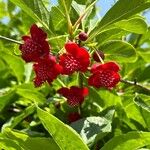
(10, 40)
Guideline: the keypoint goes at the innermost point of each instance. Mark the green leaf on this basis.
(8, 144)
(30, 143)
(6, 99)
(119, 51)
(110, 34)
(67, 4)
(109, 98)
(64, 136)
(92, 128)
(36, 10)
(32, 95)
(16, 64)
(144, 109)
(58, 19)
(132, 140)
(133, 111)
(145, 54)
(120, 11)
(16, 120)
(134, 25)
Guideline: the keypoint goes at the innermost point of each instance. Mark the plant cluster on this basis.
(71, 80)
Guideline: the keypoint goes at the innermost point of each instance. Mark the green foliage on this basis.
(114, 119)
(132, 140)
(69, 139)
(31, 143)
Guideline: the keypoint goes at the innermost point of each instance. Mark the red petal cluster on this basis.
(76, 59)
(46, 70)
(75, 95)
(104, 75)
(35, 46)
(74, 116)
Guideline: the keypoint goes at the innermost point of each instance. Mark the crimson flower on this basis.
(74, 116)
(35, 46)
(104, 75)
(46, 69)
(75, 95)
(76, 59)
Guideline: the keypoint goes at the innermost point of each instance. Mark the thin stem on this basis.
(68, 18)
(57, 37)
(61, 83)
(134, 83)
(11, 40)
(81, 17)
(80, 80)
(100, 58)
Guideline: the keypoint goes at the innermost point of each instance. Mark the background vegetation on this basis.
(111, 120)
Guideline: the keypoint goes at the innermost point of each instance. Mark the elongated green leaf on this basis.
(144, 109)
(119, 51)
(16, 64)
(134, 25)
(94, 127)
(35, 9)
(16, 120)
(30, 143)
(131, 140)
(133, 111)
(64, 136)
(110, 34)
(32, 95)
(123, 9)
(145, 54)
(8, 144)
(6, 99)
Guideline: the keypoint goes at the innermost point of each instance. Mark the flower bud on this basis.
(83, 36)
(96, 57)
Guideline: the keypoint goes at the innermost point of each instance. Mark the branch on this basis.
(82, 15)
(11, 40)
(134, 83)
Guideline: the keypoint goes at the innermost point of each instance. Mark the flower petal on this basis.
(37, 34)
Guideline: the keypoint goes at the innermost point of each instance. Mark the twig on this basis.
(11, 40)
(134, 83)
(82, 15)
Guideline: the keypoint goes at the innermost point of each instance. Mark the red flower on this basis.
(104, 75)
(46, 70)
(35, 46)
(76, 59)
(74, 116)
(75, 95)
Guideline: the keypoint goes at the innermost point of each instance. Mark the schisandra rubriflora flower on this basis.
(104, 75)
(73, 116)
(35, 46)
(46, 69)
(76, 59)
(75, 95)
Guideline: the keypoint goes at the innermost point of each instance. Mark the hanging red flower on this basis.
(76, 59)
(46, 69)
(104, 75)
(73, 116)
(75, 95)
(35, 46)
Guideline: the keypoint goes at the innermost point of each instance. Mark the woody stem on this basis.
(134, 83)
